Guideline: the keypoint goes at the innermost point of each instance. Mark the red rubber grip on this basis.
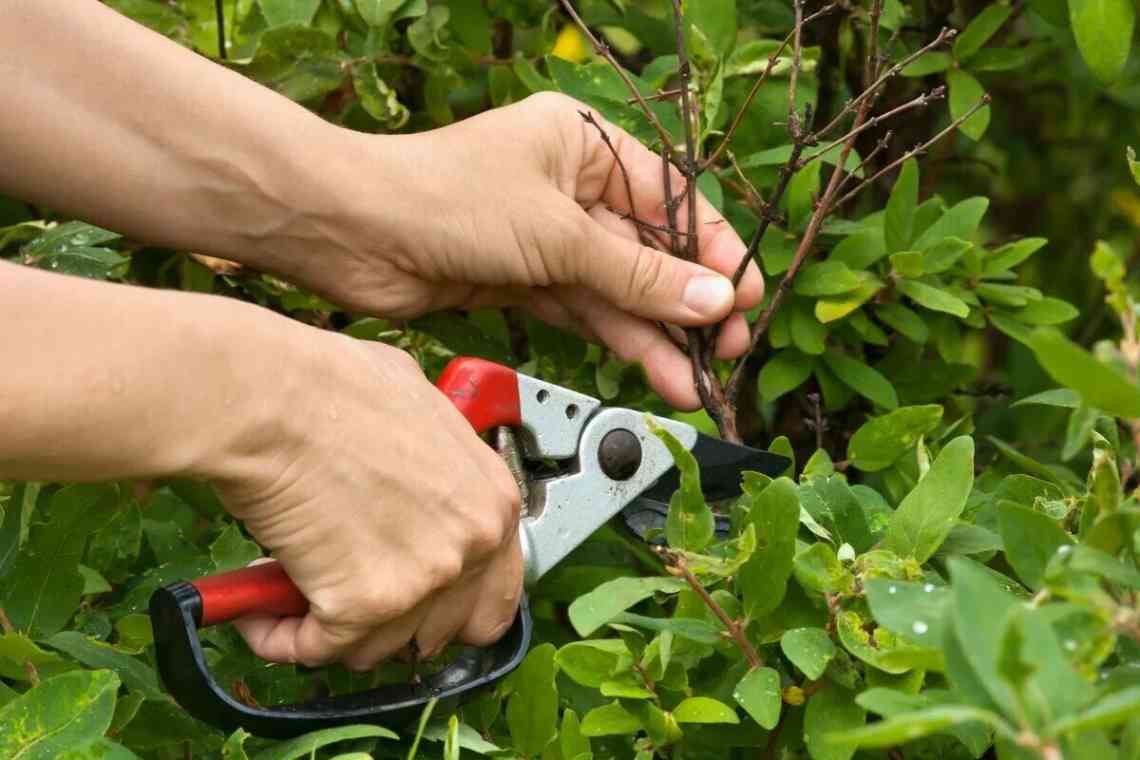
(262, 589)
(486, 393)
(488, 396)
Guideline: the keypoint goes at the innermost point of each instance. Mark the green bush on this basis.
(949, 570)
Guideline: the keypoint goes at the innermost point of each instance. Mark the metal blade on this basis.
(722, 464)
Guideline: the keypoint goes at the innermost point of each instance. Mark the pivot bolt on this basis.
(620, 454)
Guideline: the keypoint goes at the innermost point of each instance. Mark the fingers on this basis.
(647, 282)
(601, 181)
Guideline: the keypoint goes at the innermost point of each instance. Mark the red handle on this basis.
(488, 396)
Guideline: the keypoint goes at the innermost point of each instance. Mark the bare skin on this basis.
(332, 463)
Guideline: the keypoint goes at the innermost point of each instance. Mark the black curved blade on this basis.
(721, 465)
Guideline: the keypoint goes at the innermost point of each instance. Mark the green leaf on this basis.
(862, 379)
(17, 650)
(942, 255)
(377, 98)
(1110, 711)
(690, 524)
(1099, 385)
(831, 710)
(591, 611)
(979, 30)
(234, 748)
(280, 12)
(914, 725)
(913, 610)
(775, 514)
(99, 655)
(784, 372)
(1047, 311)
(882, 441)
(377, 13)
(300, 62)
(818, 569)
(710, 26)
(837, 307)
(925, 517)
(982, 607)
(471, 24)
(1133, 164)
(590, 662)
(907, 264)
(759, 694)
(43, 588)
(532, 710)
(428, 34)
(959, 221)
(1031, 539)
(1103, 29)
(1062, 397)
(898, 220)
(830, 500)
(929, 63)
(825, 278)
(610, 720)
(307, 745)
(965, 93)
(933, 298)
(905, 321)
(704, 710)
(809, 649)
(232, 550)
(62, 713)
(860, 249)
(1011, 254)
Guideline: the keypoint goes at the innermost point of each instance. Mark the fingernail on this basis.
(709, 294)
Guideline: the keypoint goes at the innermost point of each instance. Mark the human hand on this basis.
(523, 205)
(344, 485)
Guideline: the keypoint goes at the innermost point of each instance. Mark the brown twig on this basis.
(918, 150)
(735, 630)
(944, 36)
(922, 101)
(604, 51)
(661, 95)
(743, 110)
(588, 117)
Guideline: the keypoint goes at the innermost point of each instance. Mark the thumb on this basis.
(650, 283)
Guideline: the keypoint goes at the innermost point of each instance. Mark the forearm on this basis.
(105, 381)
(106, 120)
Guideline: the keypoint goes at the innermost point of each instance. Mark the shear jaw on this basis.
(565, 510)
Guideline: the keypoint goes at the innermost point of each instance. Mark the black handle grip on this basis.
(176, 614)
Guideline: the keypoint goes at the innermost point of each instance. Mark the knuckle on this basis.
(445, 568)
(486, 632)
(646, 275)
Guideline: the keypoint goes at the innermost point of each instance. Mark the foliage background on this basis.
(890, 584)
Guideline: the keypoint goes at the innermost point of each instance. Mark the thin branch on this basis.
(646, 225)
(735, 630)
(742, 111)
(882, 145)
(918, 150)
(688, 117)
(786, 173)
(604, 51)
(754, 199)
(793, 76)
(588, 117)
(220, 18)
(944, 36)
(921, 101)
(871, 67)
(662, 95)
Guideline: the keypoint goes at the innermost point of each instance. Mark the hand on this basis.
(396, 521)
(522, 205)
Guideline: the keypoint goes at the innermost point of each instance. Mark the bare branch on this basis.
(918, 150)
(735, 630)
(793, 76)
(740, 113)
(662, 95)
(921, 101)
(944, 36)
(588, 117)
(604, 51)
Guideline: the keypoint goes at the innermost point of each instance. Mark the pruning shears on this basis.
(610, 462)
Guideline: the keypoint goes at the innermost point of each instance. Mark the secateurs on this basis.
(610, 462)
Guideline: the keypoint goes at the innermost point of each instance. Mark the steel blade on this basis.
(721, 465)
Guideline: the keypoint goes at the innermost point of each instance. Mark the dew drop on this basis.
(892, 589)
(919, 627)
(928, 588)
(1071, 645)
(1064, 550)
